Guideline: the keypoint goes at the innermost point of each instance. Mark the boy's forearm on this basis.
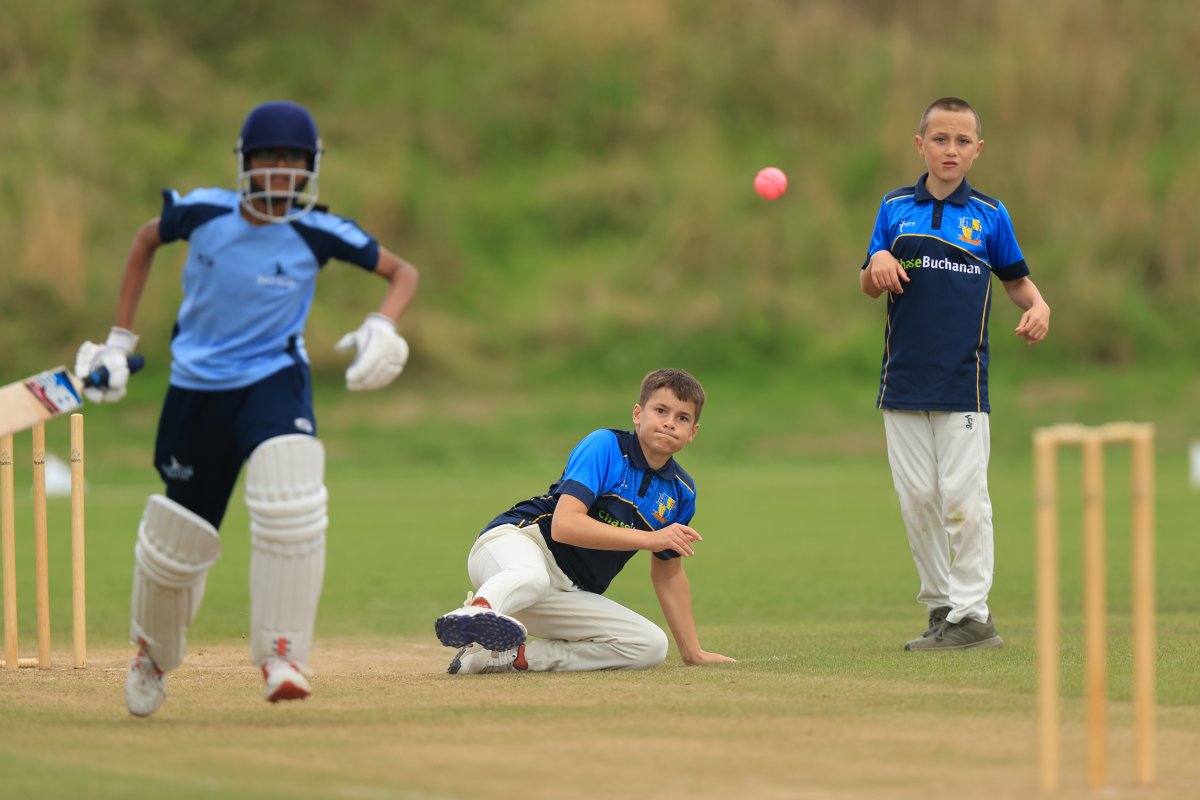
(137, 271)
(402, 278)
(582, 531)
(1024, 293)
(675, 598)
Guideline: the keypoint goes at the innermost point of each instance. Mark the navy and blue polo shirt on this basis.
(247, 289)
(936, 342)
(608, 473)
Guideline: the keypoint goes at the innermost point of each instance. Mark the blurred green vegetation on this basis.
(574, 178)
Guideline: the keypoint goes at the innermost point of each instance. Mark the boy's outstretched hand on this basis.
(705, 657)
(675, 598)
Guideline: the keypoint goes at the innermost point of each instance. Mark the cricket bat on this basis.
(48, 394)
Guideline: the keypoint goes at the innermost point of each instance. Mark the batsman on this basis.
(240, 393)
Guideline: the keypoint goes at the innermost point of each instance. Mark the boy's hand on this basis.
(382, 354)
(113, 355)
(886, 274)
(1034, 324)
(705, 657)
(674, 537)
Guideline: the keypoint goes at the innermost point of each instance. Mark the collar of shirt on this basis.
(959, 197)
(633, 447)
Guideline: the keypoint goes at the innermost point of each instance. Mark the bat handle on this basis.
(99, 378)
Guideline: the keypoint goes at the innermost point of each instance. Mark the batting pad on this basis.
(285, 491)
(175, 549)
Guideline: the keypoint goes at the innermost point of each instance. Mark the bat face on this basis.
(38, 398)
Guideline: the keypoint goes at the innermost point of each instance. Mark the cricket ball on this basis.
(770, 183)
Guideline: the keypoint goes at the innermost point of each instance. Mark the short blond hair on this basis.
(950, 104)
(684, 386)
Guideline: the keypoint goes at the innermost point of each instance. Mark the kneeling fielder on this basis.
(542, 566)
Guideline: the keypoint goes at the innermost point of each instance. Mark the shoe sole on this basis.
(289, 691)
(984, 644)
(492, 631)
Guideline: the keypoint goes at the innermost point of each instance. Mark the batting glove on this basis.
(382, 354)
(113, 355)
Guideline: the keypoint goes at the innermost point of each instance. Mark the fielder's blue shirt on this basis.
(247, 289)
(608, 473)
(936, 342)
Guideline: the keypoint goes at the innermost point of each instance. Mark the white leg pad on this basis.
(285, 492)
(175, 549)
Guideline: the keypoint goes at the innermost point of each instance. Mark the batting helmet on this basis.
(278, 124)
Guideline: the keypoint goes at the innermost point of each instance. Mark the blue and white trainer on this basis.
(473, 624)
(477, 660)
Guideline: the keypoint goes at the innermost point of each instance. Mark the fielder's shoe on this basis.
(475, 659)
(285, 680)
(936, 617)
(471, 624)
(145, 685)
(966, 634)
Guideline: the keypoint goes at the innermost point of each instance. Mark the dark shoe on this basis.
(936, 617)
(966, 634)
(472, 623)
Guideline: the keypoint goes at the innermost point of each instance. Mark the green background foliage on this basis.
(574, 178)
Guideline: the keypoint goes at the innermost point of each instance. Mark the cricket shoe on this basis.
(936, 617)
(966, 634)
(285, 680)
(474, 659)
(145, 684)
(471, 624)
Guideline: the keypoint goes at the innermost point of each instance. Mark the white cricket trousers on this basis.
(939, 463)
(513, 569)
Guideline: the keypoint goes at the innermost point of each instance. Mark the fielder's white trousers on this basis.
(513, 569)
(939, 463)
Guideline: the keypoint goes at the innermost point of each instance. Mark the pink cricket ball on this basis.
(770, 183)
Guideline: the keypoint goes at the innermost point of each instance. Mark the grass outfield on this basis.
(804, 576)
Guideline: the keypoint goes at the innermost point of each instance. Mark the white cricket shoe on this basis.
(479, 624)
(145, 684)
(285, 680)
(474, 659)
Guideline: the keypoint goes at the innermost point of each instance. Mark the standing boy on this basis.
(934, 249)
(543, 565)
(240, 392)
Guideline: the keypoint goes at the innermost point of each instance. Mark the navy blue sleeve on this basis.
(330, 236)
(181, 216)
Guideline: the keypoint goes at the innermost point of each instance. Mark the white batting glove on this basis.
(114, 355)
(382, 354)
